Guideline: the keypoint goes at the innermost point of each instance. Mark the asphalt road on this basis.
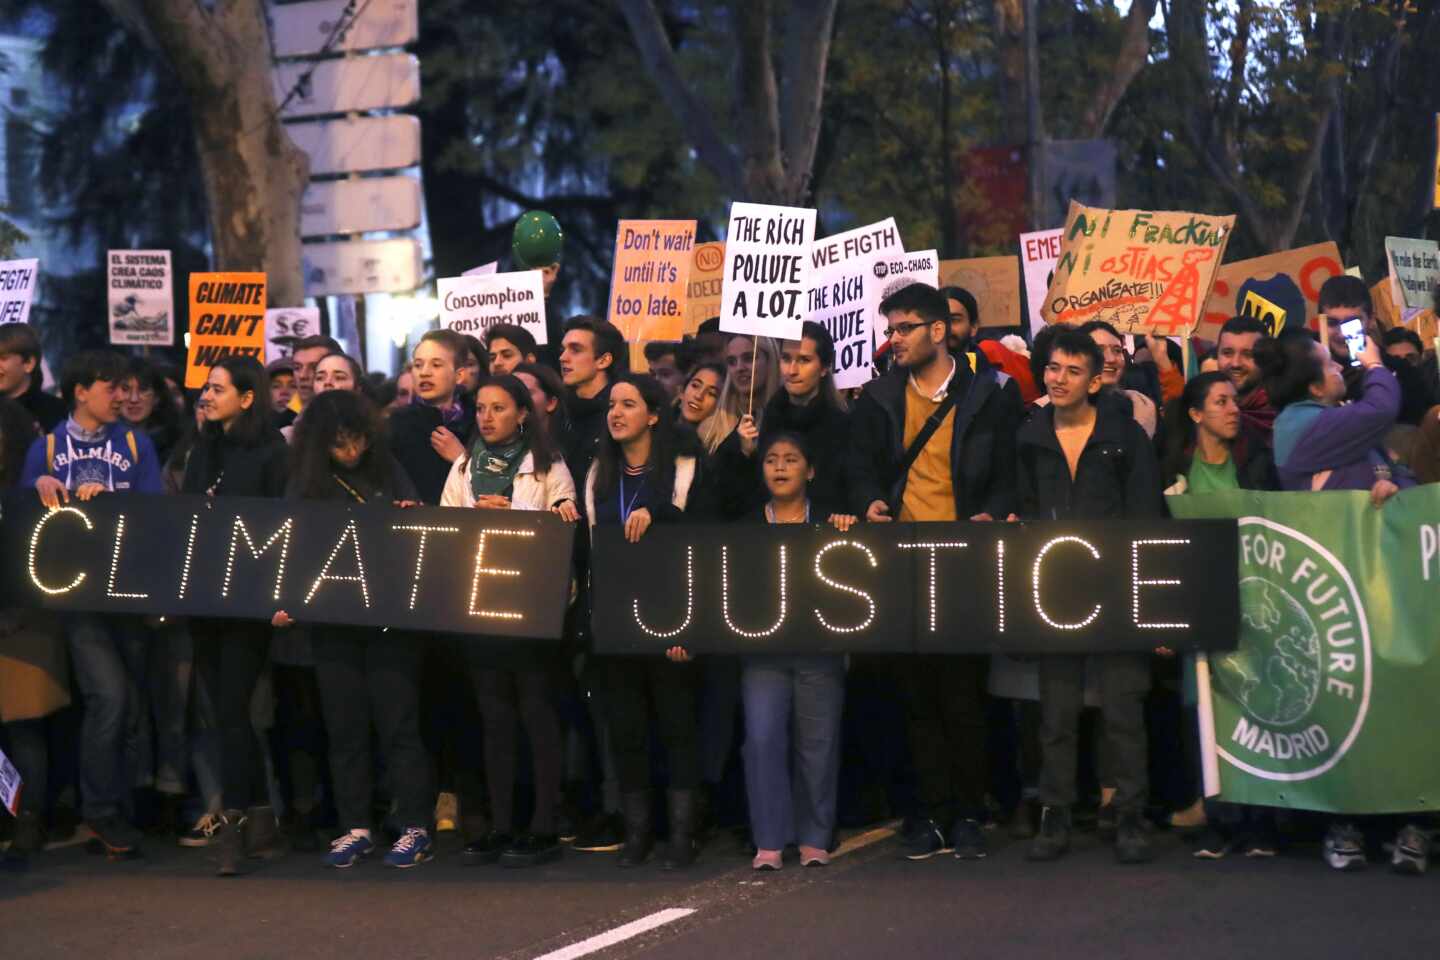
(869, 903)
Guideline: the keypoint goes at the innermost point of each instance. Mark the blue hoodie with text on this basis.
(117, 456)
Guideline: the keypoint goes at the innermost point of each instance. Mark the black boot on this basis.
(262, 833)
(681, 851)
(638, 836)
(229, 842)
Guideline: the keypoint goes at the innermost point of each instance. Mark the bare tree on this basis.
(777, 115)
(254, 175)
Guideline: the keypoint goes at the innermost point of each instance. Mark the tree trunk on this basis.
(253, 174)
(1008, 18)
(1129, 61)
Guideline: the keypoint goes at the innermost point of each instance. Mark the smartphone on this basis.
(1353, 330)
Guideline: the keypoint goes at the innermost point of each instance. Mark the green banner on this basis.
(1331, 699)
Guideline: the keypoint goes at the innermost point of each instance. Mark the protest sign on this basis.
(1145, 271)
(889, 274)
(1415, 265)
(767, 270)
(227, 318)
(476, 303)
(484, 270)
(650, 281)
(994, 282)
(836, 295)
(10, 785)
(1279, 289)
(1338, 655)
(490, 572)
(17, 289)
(141, 298)
(285, 326)
(707, 273)
(1071, 587)
(1038, 253)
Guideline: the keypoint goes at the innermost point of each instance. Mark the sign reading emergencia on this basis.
(490, 572)
(1056, 587)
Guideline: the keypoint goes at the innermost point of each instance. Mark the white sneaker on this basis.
(202, 833)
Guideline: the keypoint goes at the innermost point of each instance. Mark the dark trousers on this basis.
(1124, 682)
(945, 714)
(373, 677)
(230, 656)
(512, 689)
(632, 686)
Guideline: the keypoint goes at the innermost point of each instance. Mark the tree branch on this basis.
(1129, 61)
(808, 29)
(757, 104)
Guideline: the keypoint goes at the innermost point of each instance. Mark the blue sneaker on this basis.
(412, 848)
(348, 848)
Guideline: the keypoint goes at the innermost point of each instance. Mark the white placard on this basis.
(474, 304)
(10, 784)
(1038, 253)
(360, 206)
(358, 145)
(340, 86)
(767, 270)
(836, 295)
(141, 297)
(17, 289)
(362, 266)
(305, 29)
(484, 270)
(889, 274)
(286, 325)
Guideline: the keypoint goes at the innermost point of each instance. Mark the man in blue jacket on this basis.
(92, 452)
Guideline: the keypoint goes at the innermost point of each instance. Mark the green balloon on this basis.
(538, 240)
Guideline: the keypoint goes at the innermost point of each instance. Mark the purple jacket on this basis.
(1348, 441)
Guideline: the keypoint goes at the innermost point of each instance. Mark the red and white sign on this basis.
(1038, 253)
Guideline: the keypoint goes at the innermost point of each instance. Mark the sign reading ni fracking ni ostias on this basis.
(474, 304)
(227, 318)
(1144, 271)
(888, 275)
(17, 289)
(141, 298)
(648, 287)
(836, 295)
(767, 270)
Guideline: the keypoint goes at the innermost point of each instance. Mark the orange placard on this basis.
(227, 318)
(707, 273)
(649, 291)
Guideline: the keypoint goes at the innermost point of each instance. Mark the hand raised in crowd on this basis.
(843, 521)
(1370, 356)
(678, 655)
(749, 435)
(982, 518)
(1012, 519)
(406, 504)
(878, 512)
(492, 501)
(52, 492)
(1382, 491)
(636, 525)
(1164, 652)
(446, 444)
(281, 620)
(566, 511)
(88, 491)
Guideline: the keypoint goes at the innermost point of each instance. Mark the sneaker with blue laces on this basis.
(413, 847)
(348, 848)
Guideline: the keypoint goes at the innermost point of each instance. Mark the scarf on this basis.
(493, 469)
(450, 414)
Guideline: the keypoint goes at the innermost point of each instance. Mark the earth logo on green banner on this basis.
(1299, 682)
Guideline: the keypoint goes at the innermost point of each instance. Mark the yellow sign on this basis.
(649, 285)
(227, 318)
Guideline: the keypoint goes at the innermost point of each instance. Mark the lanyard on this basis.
(625, 511)
(348, 489)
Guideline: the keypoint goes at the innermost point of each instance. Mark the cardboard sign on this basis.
(1060, 587)
(10, 785)
(285, 326)
(1415, 265)
(889, 274)
(836, 296)
(767, 270)
(1145, 271)
(707, 277)
(17, 289)
(227, 318)
(475, 304)
(490, 572)
(141, 297)
(1280, 289)
(995, 284)
(1038, 252)
(649, 287)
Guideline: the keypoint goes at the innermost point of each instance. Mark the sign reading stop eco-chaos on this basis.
(227, 318)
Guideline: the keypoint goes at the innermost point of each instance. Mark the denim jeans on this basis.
(108, 654)
(187, 730)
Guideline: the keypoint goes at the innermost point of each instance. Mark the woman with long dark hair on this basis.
(637, 480)
(237, 454)
(366, 675)
(1208, 446)
(513, 465)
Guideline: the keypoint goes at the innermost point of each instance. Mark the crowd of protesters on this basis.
(251, 738)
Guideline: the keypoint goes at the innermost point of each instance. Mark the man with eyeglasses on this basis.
(934, 440)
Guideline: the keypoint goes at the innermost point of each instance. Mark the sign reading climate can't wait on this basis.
(1080, 587)
(227, 318)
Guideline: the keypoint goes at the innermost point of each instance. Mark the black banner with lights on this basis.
(1056, 587)
(503, 573)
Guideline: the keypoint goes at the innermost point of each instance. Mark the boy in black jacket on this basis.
(1078, 458)
(431, 434)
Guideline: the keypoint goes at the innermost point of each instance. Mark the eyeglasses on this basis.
(903, 329)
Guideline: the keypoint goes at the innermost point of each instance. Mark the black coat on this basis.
(740, 481)
(584, 428)
(234, 469)
(47, 410)
(982, 447)
(409, 435)
(1117, 475)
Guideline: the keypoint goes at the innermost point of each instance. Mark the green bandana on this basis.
(493, 469)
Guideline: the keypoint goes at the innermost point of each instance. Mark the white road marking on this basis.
(621, 933)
